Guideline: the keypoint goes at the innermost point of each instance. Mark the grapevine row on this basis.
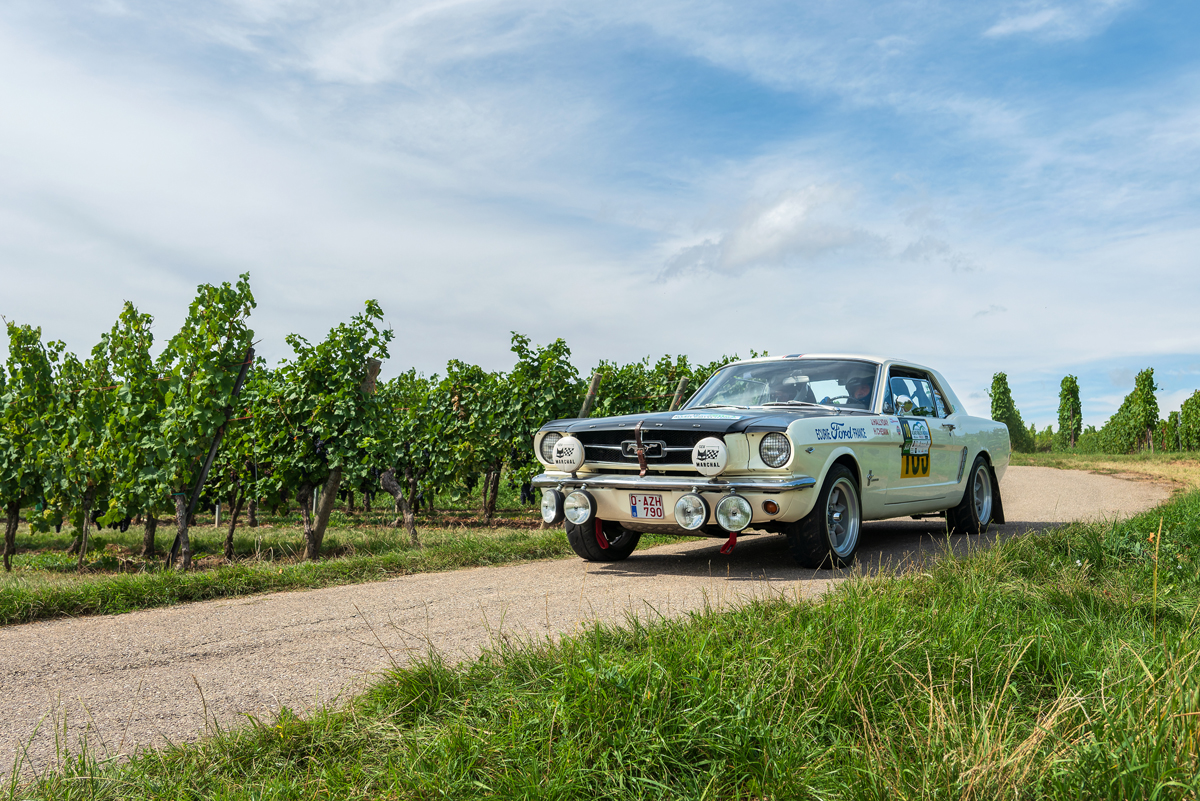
(123, 433)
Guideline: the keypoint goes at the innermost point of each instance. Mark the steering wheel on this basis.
(835, 397)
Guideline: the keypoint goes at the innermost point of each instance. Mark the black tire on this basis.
(621, 542)
(974, 513)
(828, 536)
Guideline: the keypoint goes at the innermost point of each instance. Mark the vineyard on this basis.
(125, 437)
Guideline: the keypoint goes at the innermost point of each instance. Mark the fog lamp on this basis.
(691, 511)
(552, 506)
(579, 508)
(733, 512)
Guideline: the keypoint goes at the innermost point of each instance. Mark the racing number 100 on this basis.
(914, 466)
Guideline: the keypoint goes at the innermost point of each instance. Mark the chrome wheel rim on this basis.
(981, 494)
(842, 517)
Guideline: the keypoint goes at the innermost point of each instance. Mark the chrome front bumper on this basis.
(672, 483)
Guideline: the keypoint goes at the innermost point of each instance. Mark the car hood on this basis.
(715, 421)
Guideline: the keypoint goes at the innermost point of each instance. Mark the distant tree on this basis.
(1169, 433)
(1004, 410)
(1070, 414)
(1132, 427)
(1189, 423)
(1043, 440)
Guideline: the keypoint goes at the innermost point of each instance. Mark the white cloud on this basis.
(795, 228)
(1026, 23)
(1075, 20)
(1171, 401)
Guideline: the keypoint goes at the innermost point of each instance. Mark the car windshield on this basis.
(830, 382)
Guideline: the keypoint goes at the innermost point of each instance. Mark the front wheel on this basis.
(828, 536)
(621, 541)
(974, 513)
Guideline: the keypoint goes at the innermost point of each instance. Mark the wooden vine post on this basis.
(679, 390)
(589, 400)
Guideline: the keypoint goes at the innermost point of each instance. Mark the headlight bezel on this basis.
(770, 451)
(546, 446)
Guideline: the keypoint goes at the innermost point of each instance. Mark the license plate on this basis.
(646, 507)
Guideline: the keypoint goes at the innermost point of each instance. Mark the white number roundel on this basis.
(710, 456)
(568, 454)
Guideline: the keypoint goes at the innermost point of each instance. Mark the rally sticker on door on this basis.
(917, 438)
(914, 465)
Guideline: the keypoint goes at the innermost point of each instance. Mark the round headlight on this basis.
(579, 507)
(733, 512)
(547, 448)
(775, 449)
(552, 506)
(691, 511)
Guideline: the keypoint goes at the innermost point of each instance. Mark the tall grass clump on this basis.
(1043, 667)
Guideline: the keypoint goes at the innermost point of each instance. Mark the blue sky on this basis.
(1008, 186)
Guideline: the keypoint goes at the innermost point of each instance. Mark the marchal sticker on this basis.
(710, 456)
(568, 454)
(707, 416)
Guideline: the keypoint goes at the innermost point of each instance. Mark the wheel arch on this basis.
(997, 501)
(843, 456)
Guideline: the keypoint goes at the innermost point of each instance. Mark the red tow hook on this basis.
(602, 540)
(728, 547)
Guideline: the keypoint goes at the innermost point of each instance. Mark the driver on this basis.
(783, 391)
(859, 391)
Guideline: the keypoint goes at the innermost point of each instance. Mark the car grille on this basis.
(662, 447)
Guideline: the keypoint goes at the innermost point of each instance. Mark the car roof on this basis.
(802, 356)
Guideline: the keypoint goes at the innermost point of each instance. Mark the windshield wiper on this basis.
(718, 406)
(802, 403)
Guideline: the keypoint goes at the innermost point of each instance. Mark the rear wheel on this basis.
(974, 513)
(828, 536)
(621, 541)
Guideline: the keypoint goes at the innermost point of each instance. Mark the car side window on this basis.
(939, 404)
(914, 396)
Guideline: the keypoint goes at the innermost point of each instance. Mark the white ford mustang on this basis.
(808, 446)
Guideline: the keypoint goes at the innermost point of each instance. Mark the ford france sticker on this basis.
(706, 416)
(837, 432)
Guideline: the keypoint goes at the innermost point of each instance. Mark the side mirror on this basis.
(904, 404)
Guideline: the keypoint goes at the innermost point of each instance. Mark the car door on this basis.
(923, 473)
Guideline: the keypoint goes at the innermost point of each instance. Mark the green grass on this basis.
(1180, 471)
(358, 548)
(1058, 665)
(1072, 459)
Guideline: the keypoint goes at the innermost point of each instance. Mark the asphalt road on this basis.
(136, 679)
